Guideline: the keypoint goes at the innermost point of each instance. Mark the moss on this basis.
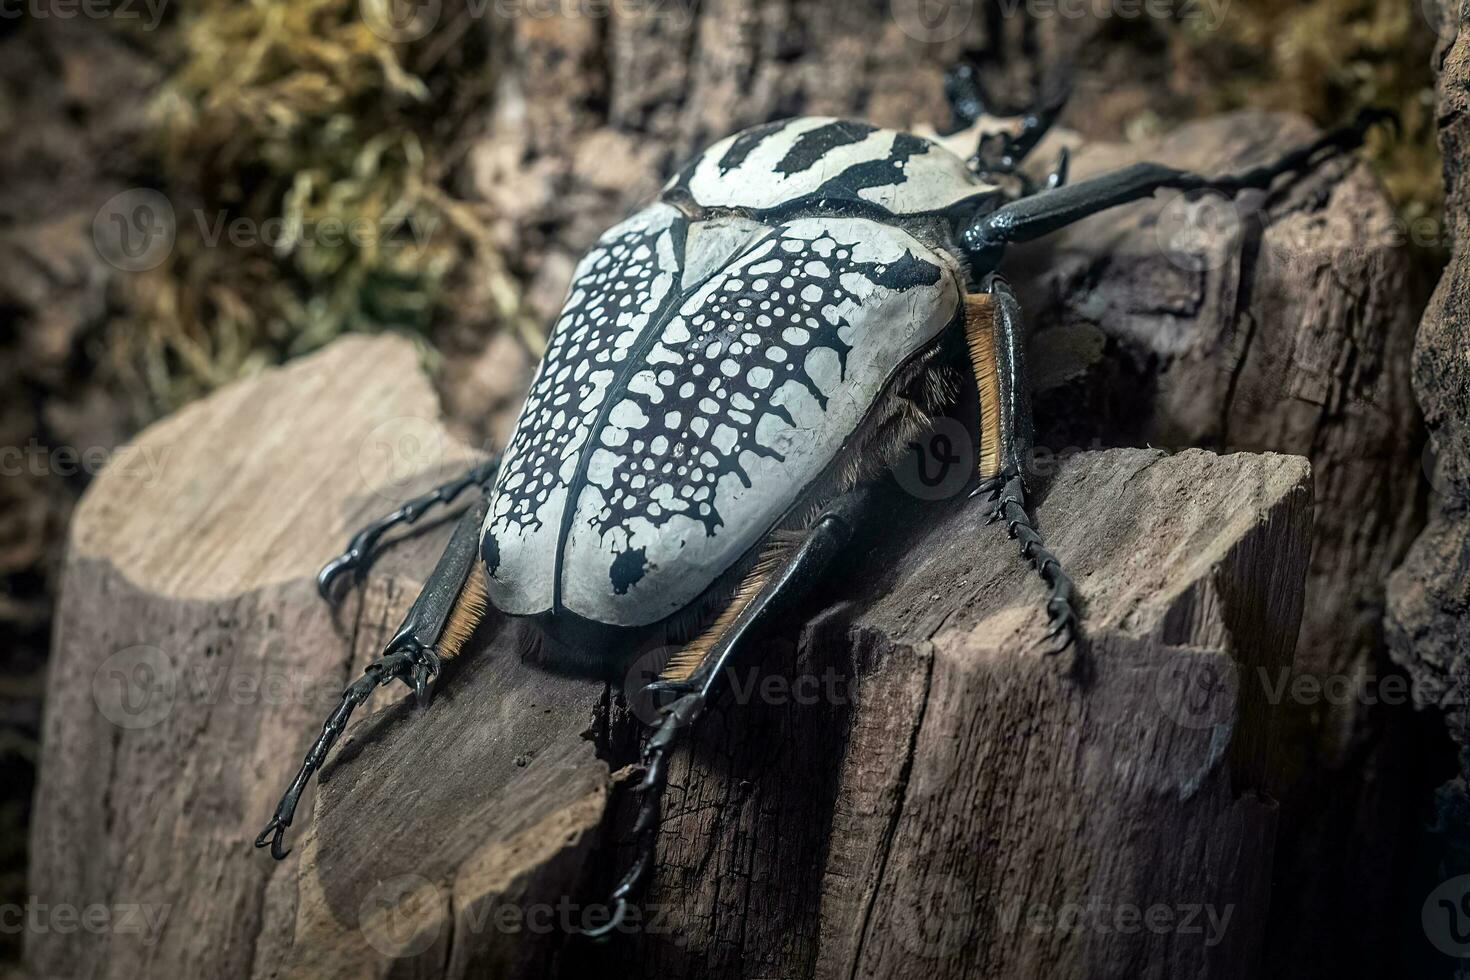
(1327, 59)
(305, 168)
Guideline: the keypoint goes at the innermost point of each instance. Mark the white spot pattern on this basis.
(755, 430)
(617, 292)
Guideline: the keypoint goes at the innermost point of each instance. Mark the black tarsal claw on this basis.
(277, 828)
(425, 669)
(332, 571)
(620, 912)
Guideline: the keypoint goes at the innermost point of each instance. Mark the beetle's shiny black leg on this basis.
(1032, 217)
(997, 153)
(394, 666)
(1008, 495)
(446, 611)
(364, 543)
(996, 339)
(965, 95)
(691, 694)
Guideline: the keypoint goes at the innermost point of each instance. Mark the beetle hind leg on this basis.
(691, 680)
(994, 335)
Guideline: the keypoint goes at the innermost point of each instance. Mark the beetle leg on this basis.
(377, 674)
(995, 335)
(364, 543)
(997, 152)
(1032, 217)
(450, 606)
(692, 693)
(443, 617)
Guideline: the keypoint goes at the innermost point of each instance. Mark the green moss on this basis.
(300, 157)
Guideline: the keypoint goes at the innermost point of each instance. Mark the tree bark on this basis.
(1429, 596)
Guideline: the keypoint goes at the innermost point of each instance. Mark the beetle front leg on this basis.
(1032, 217)
(996, 339)
(694, 684)
(442, 618)
(364, 543)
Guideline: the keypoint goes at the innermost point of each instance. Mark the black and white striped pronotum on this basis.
(735, 365)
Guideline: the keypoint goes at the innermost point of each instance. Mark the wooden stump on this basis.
(1428, 614)
(905, 783)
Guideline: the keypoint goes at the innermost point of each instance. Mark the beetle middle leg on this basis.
(692, 680)
(996, 340)
(443, 617)
(364, 543)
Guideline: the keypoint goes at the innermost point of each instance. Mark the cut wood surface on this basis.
(913, 786)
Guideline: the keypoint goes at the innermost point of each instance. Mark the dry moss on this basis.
(301, 157)
(1327, 59)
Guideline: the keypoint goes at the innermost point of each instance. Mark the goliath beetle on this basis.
(733, 367)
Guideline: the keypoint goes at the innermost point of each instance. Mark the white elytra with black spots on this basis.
(705, 373)
(616, 294)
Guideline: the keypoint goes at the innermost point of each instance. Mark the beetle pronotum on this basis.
(734, 366)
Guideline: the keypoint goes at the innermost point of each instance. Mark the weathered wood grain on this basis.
(1279, 323)
(906, 812)
(194, 662)
(1428, 615)
(964, 782)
